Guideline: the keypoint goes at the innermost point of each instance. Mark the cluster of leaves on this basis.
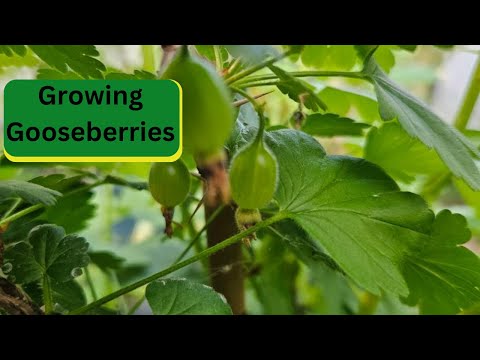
(345, 218)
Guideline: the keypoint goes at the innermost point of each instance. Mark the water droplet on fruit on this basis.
(76, 272)
(7, 267)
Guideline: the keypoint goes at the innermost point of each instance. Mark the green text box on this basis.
(134, 120)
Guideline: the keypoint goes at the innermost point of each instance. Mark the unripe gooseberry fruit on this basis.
(208, 115)
(253, 176)
(169, 183)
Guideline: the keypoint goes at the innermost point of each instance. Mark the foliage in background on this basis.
(357, 223)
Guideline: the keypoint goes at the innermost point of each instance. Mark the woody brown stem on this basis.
(14, 302)
(225, 266)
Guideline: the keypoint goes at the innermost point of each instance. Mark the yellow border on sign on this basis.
(170, 158)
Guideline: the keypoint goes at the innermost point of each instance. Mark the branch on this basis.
(204, 254)
(14, 302)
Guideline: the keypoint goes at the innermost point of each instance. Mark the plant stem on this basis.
(197, 236)
(226, 267)
(348, 74)
(21, 213)
(35, 207)
(122, 303)
(469, 99)
(255, 68)
(218, 58)
(233, 68)
(149, 62)
(258, 83)
(258, 109)
(90, 283)
(12, 208)
(47, 295)
(204, 254)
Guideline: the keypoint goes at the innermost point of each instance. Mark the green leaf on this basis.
(183, 297)
(72, 211)
(252, 53)
(246, 126)
(31, 193)
(351, 207)
(471, 198)
(18, 230)
(275, 285)
(410, 48)
(47, 251)
(329, 57)
(137, 75)
(303, 246)
(400, 155)
(51, 74)
(443, 277)
(350, 102)
(106, 260)
(329, 125)
(11, 50)
(29, 59)
(296, 51)
(421, 123)
(79, 58)
(208, 52)
(68, 295)
(151, 256)
(332, 292)
(385, 58)
(298, 90)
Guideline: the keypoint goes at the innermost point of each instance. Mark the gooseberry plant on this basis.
(348, 232)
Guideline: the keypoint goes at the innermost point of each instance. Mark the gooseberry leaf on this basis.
(351, 207)
(336, 296)
(275, 282)
(52, 74)
(328, 125)
(443, 277)
(73, 210)
(137, 75)
(47, 251)
(410, 48)
(456, 151)
(79, 58)
(329, 57)
(400, 155)
(31, 193)
(350, 102)
(298, 90)
(252, 53)
(183, 297)
(106, 260)
(68, 295)
(11, 50)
